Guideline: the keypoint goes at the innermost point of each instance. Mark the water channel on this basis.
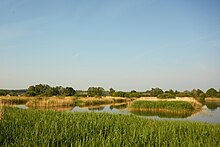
(210, 112)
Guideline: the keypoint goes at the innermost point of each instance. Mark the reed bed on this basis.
(50, 128)
(14, 100)
(169, 105)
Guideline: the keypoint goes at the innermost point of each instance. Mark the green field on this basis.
(49, 128)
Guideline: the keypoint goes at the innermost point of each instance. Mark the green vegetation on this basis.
(155, 92)
(49, 128)
(95, 92)
(212, 105)
(46, 90)
(4, 92)
(212, 93)
(162, 114)
(120, 94)
(170, 105)
(15, 100)
(166, 96)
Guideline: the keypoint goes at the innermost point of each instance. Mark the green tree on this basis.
(156, 91)
(69, 91)
(170, 91)
(166, 96)
(3, 93)
(111, 91)
(95, 91)
(135, 94)
(48, 92)
(211, 92)
(119, 94)
(186, 93)
(196, 93)
(31, 91)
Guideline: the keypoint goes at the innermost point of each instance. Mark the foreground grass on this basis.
(49, 128)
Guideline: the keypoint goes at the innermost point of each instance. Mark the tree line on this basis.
(46, 90)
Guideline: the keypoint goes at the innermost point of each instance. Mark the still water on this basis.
(209, 113)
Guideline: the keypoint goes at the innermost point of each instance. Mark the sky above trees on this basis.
(126, 44)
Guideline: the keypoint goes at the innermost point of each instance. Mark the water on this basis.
(210, 113)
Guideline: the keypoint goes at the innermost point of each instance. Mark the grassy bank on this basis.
(166, 105)
(54, 101)
(48, 128)
(178, 109)
(14, 100)
(73, 101)
(92, 101)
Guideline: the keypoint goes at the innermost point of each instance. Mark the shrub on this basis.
(166, 96)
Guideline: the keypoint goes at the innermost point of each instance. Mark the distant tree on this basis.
(101, 91)
(119, 94)
(3, 93)
(46, 90)
(135, 94)
(91, 92)
(12, 94)
(186, 93)
(176, 92)
(166, 96)
(196, 93)
(31, 91)
(211, 92)
(69, 91)
(95, 91)
(133, 91)
(171, 91)
(56, 90)
(156, 91)
(111, 91)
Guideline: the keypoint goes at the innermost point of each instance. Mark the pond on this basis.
(209, 113)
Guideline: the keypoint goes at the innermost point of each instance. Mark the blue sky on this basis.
(126, 44)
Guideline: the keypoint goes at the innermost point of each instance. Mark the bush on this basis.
(166, 96)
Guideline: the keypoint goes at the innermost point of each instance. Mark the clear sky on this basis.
(124, 44)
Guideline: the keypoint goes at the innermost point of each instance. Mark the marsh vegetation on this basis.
(49, 128)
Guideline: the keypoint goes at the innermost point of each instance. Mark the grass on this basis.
(60, 101)
(14, 100)
(49, 128)
(178, 109)
(169, 105)
(51, 102)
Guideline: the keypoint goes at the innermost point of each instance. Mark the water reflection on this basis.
(123, 106)
(105, 108)
(96, 108)
(212, 105)
(163, 114)
(48, 108)
(209, 113)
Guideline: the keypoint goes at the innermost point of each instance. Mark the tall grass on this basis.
(50, 128)
(170, 105)
(14, 100)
